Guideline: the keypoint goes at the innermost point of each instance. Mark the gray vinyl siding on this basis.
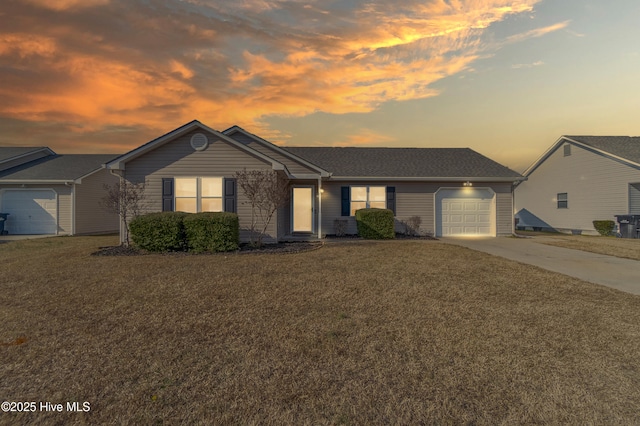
(90, 217)
(504, 209)
(22, 160)
(294, 167)
(597, 188)
(413, 199)
(64, 206)
(178, 159)
(634, 198)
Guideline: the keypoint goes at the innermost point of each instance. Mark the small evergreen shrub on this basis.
(212, 232)
(159, 231)
(604, 227)
(375, 224)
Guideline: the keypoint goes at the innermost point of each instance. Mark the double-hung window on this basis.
(373, 197)
(198, 194)
(563, 200)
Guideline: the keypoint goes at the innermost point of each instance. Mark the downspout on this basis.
(319, 207)
(73, 207)
(122, 224)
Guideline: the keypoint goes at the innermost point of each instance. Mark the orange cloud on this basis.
(152, 67)
(67, 4)
(366, 137)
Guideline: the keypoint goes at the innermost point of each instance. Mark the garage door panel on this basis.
(464, 214)
(30, 211)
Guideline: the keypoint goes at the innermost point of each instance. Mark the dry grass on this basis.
(360, 333)
(610, 246)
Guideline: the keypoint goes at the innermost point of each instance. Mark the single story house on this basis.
(455, 191)
(580, 179)
(47, 193)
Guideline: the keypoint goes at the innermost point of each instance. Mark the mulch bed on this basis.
(280, 248)
(398, 237)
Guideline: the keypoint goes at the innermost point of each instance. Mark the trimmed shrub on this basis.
(604, 227)
(209, 231)
(159, 231)
(375, 224)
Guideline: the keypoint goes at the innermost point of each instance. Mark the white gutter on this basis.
(119, 174)
(73, 208)
(31, 182)
(319, 207)
(429, 179)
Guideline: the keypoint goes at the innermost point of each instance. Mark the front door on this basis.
(302, 217)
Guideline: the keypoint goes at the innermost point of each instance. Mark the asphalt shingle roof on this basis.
(57, 167)
(7, 152)
(627, 147)
(403, 162)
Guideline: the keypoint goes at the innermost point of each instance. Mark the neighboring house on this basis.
(578, 180)
(47, 193)
(455, 191)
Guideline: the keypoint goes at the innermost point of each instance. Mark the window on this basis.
(563, 200)
(373, 197)
(567, 150)
(202, 194)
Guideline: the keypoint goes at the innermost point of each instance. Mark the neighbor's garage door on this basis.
(465, 212)
(30, 211)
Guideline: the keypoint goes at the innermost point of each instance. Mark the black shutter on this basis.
(167, 195)
(346, 201)
(230, 196)
(391, 199)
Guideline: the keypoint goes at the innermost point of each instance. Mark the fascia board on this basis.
(26, 154)
(544, 156)
(31, 181)
(603, 153)
(428, 179)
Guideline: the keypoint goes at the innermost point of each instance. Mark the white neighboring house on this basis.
(578, 180)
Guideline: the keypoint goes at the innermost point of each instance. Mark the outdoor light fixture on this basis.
(467, 183)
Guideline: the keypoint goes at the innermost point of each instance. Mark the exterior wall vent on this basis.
(567, 150)
(199, 142)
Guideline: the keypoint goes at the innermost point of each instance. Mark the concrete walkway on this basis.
(615, 272)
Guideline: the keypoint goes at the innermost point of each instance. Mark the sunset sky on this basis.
(503, 77)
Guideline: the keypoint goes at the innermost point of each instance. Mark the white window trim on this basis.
(566, 200)
(198, 196)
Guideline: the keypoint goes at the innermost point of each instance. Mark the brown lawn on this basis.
(610, 246)
(404, 332)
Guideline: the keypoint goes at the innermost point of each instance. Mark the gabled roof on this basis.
(422, 163)
(624, 149)
(627, 147)
(119, 162)
(8, 153)
(237, 129)
(56, 168)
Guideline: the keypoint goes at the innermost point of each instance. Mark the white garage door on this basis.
(30, 211)
(466, 213)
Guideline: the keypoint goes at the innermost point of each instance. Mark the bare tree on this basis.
(266, 191)
(123, 198)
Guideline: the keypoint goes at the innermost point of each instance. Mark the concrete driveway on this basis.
(615, 272)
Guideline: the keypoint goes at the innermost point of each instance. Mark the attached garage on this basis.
(464, 212)
(31, 211)
(55, 194)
